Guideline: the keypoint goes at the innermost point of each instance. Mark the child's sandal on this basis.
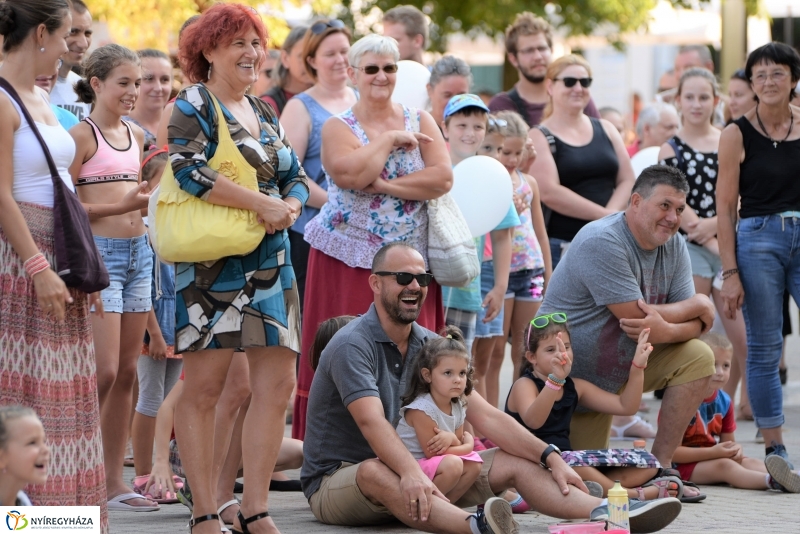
(664, 485)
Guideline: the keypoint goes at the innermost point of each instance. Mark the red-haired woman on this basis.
(249, 301)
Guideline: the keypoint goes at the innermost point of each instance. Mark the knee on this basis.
(203, 395)
(451, 465)
(369, 476)
(106, 376)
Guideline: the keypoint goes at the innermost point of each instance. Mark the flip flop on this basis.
(117, 503)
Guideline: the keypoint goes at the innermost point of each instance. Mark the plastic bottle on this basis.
(618, 508)
(640, 445)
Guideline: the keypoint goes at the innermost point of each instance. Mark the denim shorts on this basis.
(495, 326)
(705, 263)
(526, 285)
(130, 270)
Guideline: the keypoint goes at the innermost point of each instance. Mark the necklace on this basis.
(774, 142)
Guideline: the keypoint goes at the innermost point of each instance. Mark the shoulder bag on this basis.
(78, 261)
(189, 229)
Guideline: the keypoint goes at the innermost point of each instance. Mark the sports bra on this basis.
(109, 164)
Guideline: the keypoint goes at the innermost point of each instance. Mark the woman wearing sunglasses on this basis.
(383, 162)
(583, 169)
(325, 48)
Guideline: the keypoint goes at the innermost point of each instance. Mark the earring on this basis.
(41, 49)
(209, 70)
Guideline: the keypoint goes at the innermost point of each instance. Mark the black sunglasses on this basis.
(569, 81)
(423, 279)
(391, 68)
(319, 27)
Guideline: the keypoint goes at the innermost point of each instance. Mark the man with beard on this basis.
(358, 472)
(529, 46)
(78, 42)
(624, 273)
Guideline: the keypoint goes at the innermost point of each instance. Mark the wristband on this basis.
(556, 380)
(36, 264)
(551, 385)
(638, 366)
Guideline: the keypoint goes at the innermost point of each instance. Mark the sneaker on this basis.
(496, 517)
(645, 516)
(185, 496)
(782, 476)
(778, 449)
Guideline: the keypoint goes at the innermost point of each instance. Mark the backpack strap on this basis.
(513, 94)
(551, 139)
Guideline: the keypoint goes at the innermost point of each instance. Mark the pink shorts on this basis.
(430, 465)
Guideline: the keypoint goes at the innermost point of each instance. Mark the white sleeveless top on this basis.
(32, 182)
(425, 403)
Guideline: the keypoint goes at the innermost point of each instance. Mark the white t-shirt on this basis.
(63, 95)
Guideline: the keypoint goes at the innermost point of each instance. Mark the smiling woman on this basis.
(154, 93)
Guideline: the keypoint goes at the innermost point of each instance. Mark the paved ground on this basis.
(726, 510)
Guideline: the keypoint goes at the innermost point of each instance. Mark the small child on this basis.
(530, 263)
(158, 367)
(24, 455)
(477, 310)
(544, 398)
(704, 460)
(434, 411)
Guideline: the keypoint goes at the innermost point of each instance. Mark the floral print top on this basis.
(352, 226)
(525, 250)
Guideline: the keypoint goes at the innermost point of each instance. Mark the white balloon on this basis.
(483, 191)
(410, 87)
(644, 158)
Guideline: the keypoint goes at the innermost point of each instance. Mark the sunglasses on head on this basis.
(569, 81)
(319, 27)
(543, 320)
(497, 123)
(391, 68)
(423, 279)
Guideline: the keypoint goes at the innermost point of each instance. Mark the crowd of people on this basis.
(323, 310)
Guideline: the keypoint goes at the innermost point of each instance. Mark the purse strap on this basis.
(54, 175)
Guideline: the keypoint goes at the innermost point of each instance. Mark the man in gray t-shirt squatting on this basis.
(624, 273)
(356, 470)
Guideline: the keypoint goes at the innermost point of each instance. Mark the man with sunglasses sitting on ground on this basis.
(357, 470)
(623, 273)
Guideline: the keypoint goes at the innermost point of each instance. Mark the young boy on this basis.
(701, 459)
(464, 127)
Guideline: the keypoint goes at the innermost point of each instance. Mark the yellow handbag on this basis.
(189, 229)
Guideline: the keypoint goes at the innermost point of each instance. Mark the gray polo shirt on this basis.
(360, 361)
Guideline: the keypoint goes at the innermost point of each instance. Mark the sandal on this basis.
(244, 522)
(197, 520)
(664, 484)
(627, 432)
(670, 472)
(225, 507)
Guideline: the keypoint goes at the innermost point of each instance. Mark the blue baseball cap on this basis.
(459, 102)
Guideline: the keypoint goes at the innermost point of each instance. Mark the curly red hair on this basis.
(218, 26)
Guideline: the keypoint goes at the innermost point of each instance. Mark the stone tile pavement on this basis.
(726, 511)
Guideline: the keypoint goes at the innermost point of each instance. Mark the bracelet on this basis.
(638, 366)
(36, 264)
(558, 381)
(730, 272)
(552, 385)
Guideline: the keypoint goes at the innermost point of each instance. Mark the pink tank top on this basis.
(109, 164)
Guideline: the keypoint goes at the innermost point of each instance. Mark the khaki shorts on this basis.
(670, 364)
(339, 501)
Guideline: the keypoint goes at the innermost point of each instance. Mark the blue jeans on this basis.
(556, 246)
(768, 256)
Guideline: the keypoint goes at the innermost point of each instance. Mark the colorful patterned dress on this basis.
(238, 301)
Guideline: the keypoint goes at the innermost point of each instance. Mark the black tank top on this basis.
(555, 429)
(590, 171)
(769, 176)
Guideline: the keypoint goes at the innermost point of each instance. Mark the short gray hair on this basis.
(450, 66)
(651, 115)
(373, 44)
(702, 51)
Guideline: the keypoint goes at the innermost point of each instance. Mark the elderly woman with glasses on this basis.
(759, 162)
(383, 162)
(450, 76)
(325, 48)
(583, 168)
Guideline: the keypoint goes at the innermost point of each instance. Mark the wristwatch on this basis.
(547, 452)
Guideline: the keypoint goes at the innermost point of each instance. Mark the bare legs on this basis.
(677, 409)
(750, 474)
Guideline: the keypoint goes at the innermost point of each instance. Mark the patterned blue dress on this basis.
(238, 301)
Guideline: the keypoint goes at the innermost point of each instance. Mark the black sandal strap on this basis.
(201, 519)
(252, 519)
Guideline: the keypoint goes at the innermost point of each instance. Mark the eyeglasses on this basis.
(423, 279)
(529, 51)
(319, 27)
(569, 81)
(497, 123)
(543, 320)
(391, 68)
(761, 78)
